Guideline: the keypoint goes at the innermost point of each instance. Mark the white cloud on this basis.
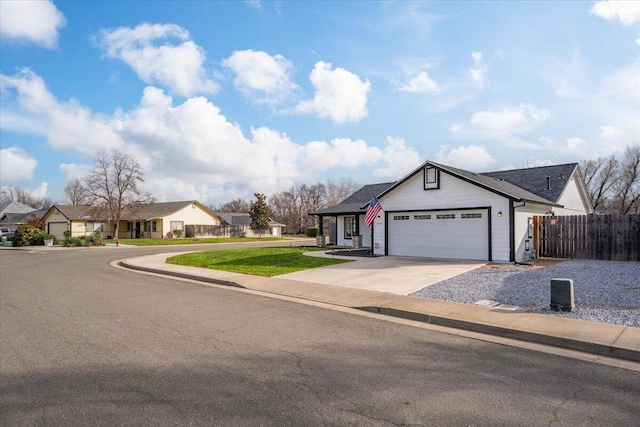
(148, 50)
(191, 150)
(34, 21)
(16, 165)
(74, 170)
(472, 158)
(576, 143)
(540, 163)
(477, 73)
(262, 78)
(67, 125)
(421, 83)
(343, 152)
(610, 132)
(627, 12)
(456, 128)
(254, 4)
(400, 159)
(340, 95)
(40, 191)
(511, 119)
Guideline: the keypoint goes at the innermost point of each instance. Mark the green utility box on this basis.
(562, 297)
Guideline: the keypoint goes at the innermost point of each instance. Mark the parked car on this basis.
(5, 232)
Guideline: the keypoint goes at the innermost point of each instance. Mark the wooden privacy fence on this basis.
(606, 237)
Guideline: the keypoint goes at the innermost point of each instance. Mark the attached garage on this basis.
(57, 229)
(459, 234)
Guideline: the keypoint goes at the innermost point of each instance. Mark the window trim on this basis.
(431, 183)
(352, 227)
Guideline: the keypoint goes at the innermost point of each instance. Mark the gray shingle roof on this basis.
(13, 207)
(145, 212)
(535, 180)
(354, 203)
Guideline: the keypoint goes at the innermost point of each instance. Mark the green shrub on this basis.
(177, 233)
(72, 242)
(95, 239)
(28, 235)
(312, 231)
(66, 234)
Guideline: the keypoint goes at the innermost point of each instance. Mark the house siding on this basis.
(572, 200)
(453, 193)
(189, 216)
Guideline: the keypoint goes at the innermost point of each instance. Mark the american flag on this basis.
(372, 211)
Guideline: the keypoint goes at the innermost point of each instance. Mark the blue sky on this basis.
(218, 100)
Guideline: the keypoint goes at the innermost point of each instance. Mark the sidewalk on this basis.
(598, 338)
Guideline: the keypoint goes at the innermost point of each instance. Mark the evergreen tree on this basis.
(259, 214)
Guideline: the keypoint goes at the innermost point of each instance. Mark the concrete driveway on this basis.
(397, 275)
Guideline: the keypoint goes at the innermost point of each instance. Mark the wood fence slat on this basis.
(606, 237)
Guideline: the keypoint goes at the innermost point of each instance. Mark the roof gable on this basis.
(496, 185)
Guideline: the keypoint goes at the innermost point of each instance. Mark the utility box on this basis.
(562, 296)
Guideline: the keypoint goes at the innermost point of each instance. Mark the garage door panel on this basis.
(442, 234)
(57, 229)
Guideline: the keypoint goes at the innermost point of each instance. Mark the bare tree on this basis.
(626, 190)
(600, 176)
(17, 194)
(76, 194)
(337, 191)
(236, 206)
(112, 187)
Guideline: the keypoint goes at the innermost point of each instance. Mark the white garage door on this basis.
(57, 229)
(440, 234)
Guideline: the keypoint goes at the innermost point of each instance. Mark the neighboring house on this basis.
(10, 213)
(438, 211)
(244, 220)
(153, 220)
(15, 220)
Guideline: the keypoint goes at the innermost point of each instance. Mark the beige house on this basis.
(154, 220)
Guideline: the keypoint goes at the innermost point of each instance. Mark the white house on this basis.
(438, 211)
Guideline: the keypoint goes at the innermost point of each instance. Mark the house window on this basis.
(422, 217)
(431, 178)
(177, 225)
(92, 227)
(349, 226)
(401, 217)
(470, 215)
(446, 216)
(150, 226)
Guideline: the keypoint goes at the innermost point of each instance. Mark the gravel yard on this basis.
(605, 291)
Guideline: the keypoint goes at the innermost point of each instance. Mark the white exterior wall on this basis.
(189, 216)
(364, 231)
(453, 193)
(572, 200)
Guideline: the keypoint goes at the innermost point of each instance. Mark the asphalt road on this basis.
(83, 343)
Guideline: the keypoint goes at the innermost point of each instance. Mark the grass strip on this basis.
(256, 261)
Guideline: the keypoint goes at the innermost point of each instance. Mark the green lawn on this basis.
(256, 261)
(190, 241)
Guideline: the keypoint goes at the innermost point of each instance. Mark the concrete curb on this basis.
(483, 328)
(181, 275)
(520, 334)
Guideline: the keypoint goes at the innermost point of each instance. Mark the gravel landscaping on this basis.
(605, 291)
